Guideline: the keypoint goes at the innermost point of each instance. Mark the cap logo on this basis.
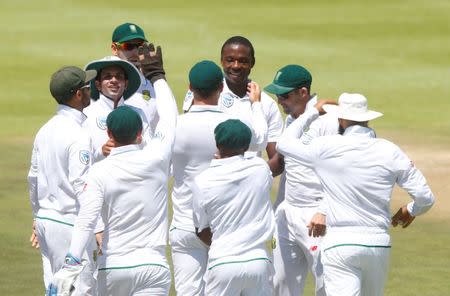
(278, 75)
(133, 28)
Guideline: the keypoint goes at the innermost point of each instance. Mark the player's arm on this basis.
(32, 187)
(199, 215)
(259, 124)
(205, 235)
(413, 181)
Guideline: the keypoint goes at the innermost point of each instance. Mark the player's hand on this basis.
(33, 238)
(321, 102)
(99, 240)
(317, 226)
(108, 146)
(254, 92)
(151, 62)
(402, 217)
(61, 284)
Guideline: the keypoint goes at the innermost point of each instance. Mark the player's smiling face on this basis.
(237, 63)
(112, 82)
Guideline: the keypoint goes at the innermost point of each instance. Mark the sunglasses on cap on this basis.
(129, 45)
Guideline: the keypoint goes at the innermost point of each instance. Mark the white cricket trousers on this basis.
(54, 237)
(146, 280)
(190, 258)
(296, 252)
(356, 269)
(247, 278)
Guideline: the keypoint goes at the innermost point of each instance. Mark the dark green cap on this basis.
(126, 32)
(67, 80)
(124, 123)
(289, 78)
(232, 134)
(131, 72)
(205, 75)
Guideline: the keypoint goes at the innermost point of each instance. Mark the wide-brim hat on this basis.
(352, 107)
(132, 73)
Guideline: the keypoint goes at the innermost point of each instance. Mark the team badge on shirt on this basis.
(101, 123)
(146, 94)
(227, 100)
(85, 156)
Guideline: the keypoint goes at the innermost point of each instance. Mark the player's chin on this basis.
(236, 78)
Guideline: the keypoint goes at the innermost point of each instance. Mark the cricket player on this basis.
(233, 214)
(237, 59)
(193, 151)
(129, 190)
(126, 39)
(358, 172)
(60, 159)
(300, 191)
(116, 82)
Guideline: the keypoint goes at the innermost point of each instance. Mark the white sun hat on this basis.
(352, 107)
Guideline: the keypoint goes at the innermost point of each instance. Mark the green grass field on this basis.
(395, 52)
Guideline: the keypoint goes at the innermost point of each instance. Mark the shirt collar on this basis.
(360, 131)
(73, 113)
(123, 149)
(311, 102)
(222, 161)
(109, 103)
(226, 89)
(204, 108)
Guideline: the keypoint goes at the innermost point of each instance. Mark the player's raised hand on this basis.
(33, 238)
(254, 92)
(151, 62)
(402, 217)
(108, 146)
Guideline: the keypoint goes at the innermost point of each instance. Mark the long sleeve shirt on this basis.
(60, 159)
(358, 173)
(129, 190)
(232, 197)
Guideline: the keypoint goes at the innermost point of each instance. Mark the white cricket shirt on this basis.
(358, 173)
(232, 197)
(129, 190)
(95, 124)
(61, 156)
(194, 148)
(243, 109)
(303, 187)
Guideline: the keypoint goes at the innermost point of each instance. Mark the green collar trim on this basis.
(54, 220)
(244, 261)
(134, 266)
(357, 245)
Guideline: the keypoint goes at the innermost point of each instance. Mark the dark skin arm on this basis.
(276, 164)
(205, 235)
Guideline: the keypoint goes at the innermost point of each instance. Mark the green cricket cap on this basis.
(126, 32)
(66, 81)
(205, 75)
(289, 78)
(232, 134)
(124, 123)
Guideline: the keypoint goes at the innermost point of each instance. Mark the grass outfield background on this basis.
(397, 53)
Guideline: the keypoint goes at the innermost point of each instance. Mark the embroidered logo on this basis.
(133, 28)
(101, 123)
(146, 94)
(85, 156)
(227, 100)
(313, 248)
(158, 135)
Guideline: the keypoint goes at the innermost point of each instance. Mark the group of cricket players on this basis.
(100, 172)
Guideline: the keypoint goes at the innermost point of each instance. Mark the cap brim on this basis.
(359, 117)
(90, 74)
(134, 79)
(278, 89)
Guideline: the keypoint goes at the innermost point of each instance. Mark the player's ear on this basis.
(110, 134)
(114, 49)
